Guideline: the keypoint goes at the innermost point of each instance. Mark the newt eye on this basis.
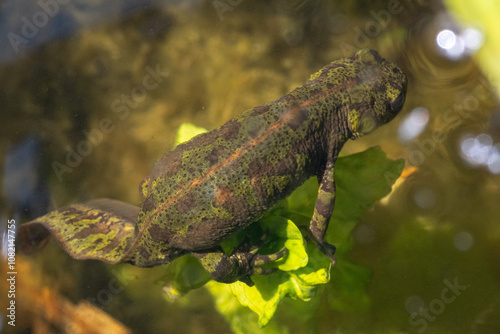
(396, 104)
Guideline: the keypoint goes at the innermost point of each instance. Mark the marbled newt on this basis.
(219, 182)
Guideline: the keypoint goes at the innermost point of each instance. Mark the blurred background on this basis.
(92, 94)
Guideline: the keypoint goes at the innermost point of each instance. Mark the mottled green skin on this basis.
(221, 181)
(102, 229)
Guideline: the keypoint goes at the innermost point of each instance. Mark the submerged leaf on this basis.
(187, 131)
(241, 319)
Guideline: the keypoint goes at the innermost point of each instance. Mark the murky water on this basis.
(93, 93)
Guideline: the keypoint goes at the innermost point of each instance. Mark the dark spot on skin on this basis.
(186, 203)
(260, 110)
(159, 234)
(196, 234)
(286, 98)
(143, 252)
(295, 117)
(257, 170)
(381, 90)
(102, 226)
(148, 204)
(229, 130)
(239, 207)
(375, 54)
(316, 92)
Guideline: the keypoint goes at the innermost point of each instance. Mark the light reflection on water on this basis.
(463, 241)
(425, 198)
(413, 124)
(456, 45)
(453, 40)
(481, 151)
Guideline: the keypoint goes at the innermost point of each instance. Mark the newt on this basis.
(219, 182)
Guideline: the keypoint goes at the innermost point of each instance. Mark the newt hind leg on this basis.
(238, 266)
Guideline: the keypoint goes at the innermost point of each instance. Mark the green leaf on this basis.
(294, 278)
(187, 131)
(286, 230)
(241, 319)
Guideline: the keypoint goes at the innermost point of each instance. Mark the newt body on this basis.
(219, 182)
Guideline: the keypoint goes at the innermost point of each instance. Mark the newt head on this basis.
(378, 95)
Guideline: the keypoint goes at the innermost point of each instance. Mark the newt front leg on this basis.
(323, 209)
